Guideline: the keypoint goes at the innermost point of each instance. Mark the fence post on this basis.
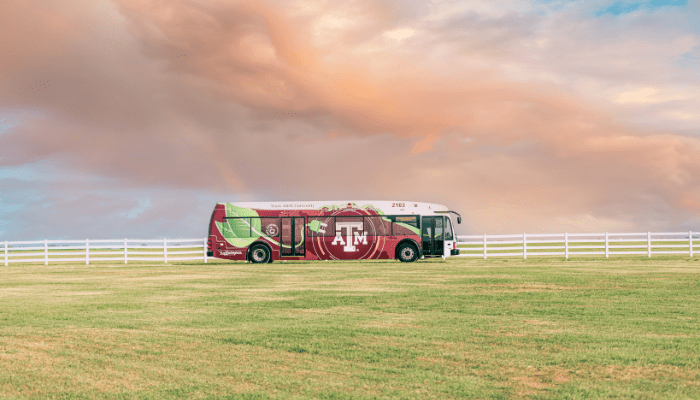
(87, 251)
(205, 250)
(606, 245)
(6, 256)
(649, 244)
(46, 251)
(566, 245)
(525, 246)
(690, 242)
(484, 246)
(126, 254)
(165, 250)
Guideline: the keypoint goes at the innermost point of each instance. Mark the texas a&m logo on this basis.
(351, 230)
(354, 235)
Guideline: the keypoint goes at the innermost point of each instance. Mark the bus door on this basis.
(450, 239)
(292, 240)
(433, 236)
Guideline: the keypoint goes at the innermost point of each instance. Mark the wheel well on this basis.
(247, 253)
(411, 241)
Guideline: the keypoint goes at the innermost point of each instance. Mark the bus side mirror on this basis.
(459, 219)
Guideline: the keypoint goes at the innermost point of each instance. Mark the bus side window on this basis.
(239, 227)
(401, 224)
(439, 228)
(269, 226)
(330, 226)
(356, 221)
(377, 226)
(320, 226)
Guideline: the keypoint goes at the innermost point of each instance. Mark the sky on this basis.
(133, 118)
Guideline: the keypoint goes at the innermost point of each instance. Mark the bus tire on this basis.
(407, 252)
(260, 254)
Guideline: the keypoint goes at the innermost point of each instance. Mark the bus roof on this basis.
(385, 206)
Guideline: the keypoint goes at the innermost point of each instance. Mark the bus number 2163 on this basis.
(400, 205)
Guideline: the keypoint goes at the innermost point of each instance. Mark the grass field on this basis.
(461, 328)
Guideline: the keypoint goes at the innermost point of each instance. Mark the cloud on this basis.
(643, 95)
(44, 204)
(529, 118)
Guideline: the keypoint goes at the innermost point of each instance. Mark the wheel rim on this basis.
(407, 253)
(258, 255)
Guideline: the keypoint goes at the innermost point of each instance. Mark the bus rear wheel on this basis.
(260, 254)
(408, 253)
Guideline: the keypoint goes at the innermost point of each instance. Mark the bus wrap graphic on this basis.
(350, 237)
(327, 231)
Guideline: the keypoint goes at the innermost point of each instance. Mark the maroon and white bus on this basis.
(331, 230)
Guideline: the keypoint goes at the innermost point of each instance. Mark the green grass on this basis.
(461, 328)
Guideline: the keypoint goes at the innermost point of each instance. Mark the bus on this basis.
(261, 232)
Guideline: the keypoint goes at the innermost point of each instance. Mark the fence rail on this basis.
(574, 244)
(52, 251)
(519, 245)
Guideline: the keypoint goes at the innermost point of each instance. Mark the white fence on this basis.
(575, 244)
(520, 245)
(46, 251)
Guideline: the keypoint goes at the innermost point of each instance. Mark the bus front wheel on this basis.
(408, 253)
(260, 254)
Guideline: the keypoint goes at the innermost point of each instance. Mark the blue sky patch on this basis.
(5, 125)
(626, 7)
(665, 3)
(143, 206)
(24, 173)
(618, 8)
(8, 208)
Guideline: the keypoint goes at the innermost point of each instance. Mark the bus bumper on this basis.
(454, 252)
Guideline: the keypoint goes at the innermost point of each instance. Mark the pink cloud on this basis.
(487, 113)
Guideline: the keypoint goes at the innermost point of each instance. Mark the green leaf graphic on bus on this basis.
(241, 228)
